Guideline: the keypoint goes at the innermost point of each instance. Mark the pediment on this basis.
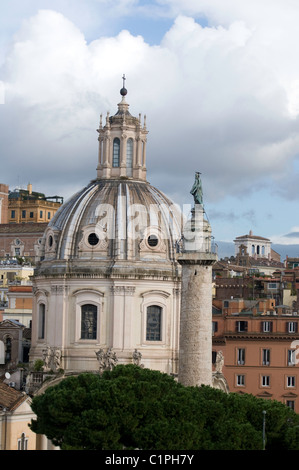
(265, 395)
(290, 395)
(11, 324)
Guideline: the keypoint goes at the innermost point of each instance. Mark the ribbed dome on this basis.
(114, 219)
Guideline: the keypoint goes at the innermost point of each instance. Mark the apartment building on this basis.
(259, 341)
(25, 205)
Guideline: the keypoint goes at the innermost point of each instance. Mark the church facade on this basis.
(108, 288)
(109, 282)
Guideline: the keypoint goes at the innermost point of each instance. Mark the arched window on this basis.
(41, 321)
(116, 152)
(130, 157)
(89, 315)
(153, 323)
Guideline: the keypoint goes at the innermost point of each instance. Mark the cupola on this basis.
(122, 144)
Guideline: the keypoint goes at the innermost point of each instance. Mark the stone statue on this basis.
(137, 357)
(219, 362)
(46, 358)
(101, 359)
(51, 358)
(57, 359)
(111, 359)
(106, 360)
(196, 190)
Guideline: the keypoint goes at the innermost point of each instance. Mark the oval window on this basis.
(93, 239)
(50, 240)
(152, 240)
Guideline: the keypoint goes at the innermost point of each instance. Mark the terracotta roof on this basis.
(10, 398)
(20, 288)
(252, 237)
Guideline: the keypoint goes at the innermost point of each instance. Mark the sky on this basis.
(218, 81)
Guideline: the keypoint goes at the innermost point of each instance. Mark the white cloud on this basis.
(221, 99)
(291, 238)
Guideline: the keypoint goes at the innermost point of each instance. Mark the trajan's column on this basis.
(196, 259)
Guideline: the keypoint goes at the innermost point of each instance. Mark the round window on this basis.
(93, 239)
(152, 240)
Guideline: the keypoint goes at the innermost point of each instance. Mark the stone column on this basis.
(195, 351)
(196, 259)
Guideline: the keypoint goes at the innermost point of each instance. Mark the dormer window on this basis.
(116, 152)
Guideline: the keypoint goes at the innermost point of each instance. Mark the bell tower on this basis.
(122, 144)
(196, 258)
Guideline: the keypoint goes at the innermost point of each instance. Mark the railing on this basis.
(199, 244)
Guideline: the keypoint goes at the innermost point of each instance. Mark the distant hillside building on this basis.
(25, 205)
(253, 246)
(21, 240)
(255, 252)
(24, 215)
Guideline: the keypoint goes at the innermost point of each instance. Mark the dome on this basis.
(111, 220)
(118, 217)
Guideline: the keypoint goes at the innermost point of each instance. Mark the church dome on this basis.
(119, 216)
(114, 219)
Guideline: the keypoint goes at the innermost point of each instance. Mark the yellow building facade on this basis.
(26, 206)
(15, 417)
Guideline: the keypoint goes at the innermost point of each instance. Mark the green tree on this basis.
(137, 408)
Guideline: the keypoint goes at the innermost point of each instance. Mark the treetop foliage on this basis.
(135, 408)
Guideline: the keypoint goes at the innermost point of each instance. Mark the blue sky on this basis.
(218, 81)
